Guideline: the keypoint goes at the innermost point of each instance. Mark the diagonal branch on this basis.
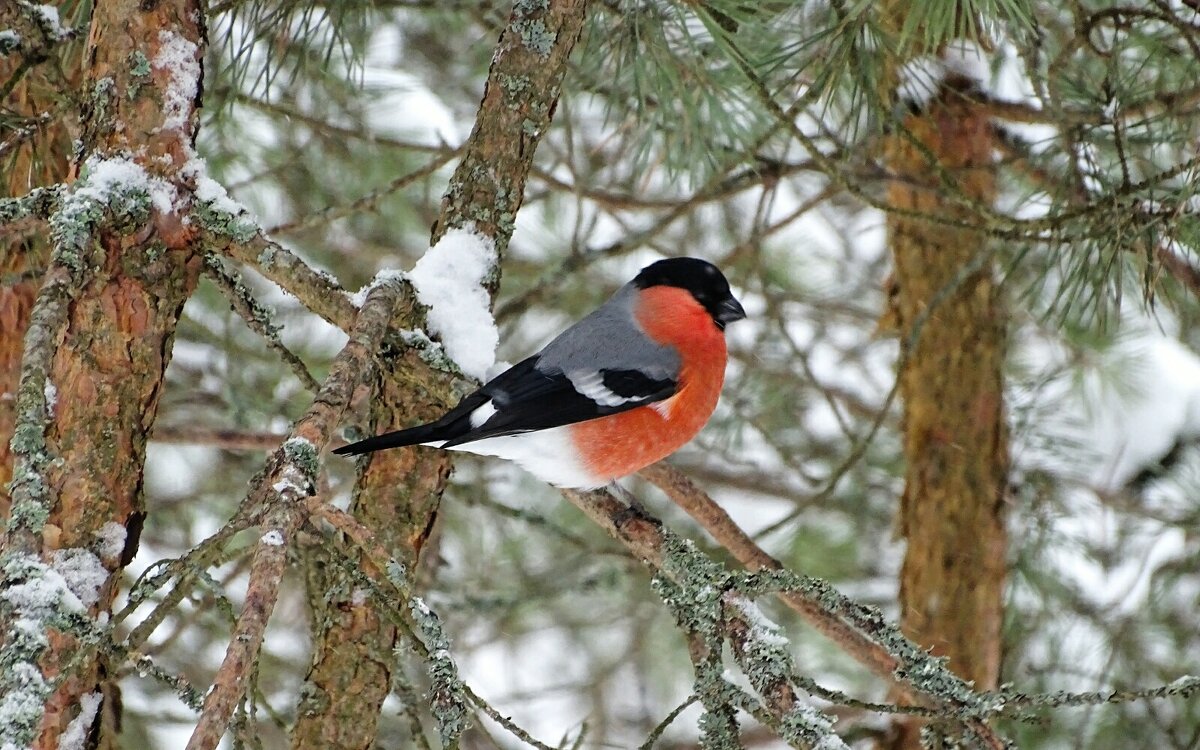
(317, 291)
(257, 318)
(859, 632)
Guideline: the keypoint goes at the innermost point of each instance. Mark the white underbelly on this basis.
(547, 454)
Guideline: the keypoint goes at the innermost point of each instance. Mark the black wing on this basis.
(526, 399)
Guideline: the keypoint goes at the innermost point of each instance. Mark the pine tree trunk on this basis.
(951, 381)
(108, 354)
(24, 252)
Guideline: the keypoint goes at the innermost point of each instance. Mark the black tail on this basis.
(423, 434)
(454, 424)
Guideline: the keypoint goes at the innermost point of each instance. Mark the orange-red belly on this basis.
(615, 446)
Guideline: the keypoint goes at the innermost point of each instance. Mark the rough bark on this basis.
(110, 354)
(398, 491)
(38, 160)
(952, 326)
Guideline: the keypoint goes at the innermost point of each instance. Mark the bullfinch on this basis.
(624, 387)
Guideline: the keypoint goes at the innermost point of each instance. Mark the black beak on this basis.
(729, 311)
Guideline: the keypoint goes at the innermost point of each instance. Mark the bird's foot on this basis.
(634, 509)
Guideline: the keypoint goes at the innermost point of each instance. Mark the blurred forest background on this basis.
(967, 392)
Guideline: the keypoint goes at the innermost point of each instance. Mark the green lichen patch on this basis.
(138, 64)
(303, 455)
(139, 70)
(535, 36)
(448, 699)
(239, 227)
(523, 8)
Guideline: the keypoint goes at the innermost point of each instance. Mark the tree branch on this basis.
(858, 631)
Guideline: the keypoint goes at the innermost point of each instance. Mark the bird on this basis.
(624, 387)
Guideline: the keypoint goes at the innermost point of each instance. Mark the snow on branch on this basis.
(38, 599)
(451, 280)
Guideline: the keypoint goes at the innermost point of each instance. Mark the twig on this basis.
(1182, 271)
(257, 317)
(369, 201)
(1184, 686)
(519, 99)
(226, 439)
(658, 730)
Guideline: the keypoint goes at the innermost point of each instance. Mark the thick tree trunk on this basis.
(952, 326)
(108, 340)
(40, 160)
(19, 269)
(398, 492)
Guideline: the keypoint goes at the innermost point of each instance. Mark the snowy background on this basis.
(549, 620)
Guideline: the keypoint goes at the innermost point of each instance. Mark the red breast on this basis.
(618, 445)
